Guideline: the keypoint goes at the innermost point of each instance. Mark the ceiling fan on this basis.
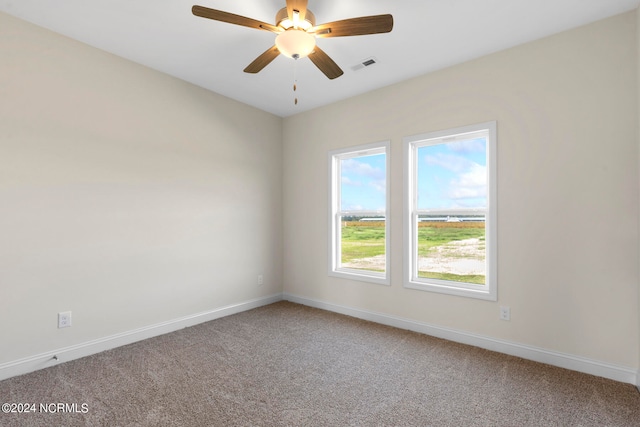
(296, 31)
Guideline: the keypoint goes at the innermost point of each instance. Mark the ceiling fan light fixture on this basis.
(295, 43)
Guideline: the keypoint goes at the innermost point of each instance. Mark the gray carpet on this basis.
(290, 365)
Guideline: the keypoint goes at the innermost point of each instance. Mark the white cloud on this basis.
(457, 164)
(348, 181)
(354, 167)
(471, 184)
(354, 207)
(360, 174)
(468, 146)
(379, 185)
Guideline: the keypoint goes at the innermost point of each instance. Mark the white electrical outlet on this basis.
(64, 319)
(260, 280)
(505, 313)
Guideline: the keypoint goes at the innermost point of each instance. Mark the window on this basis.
(450, 211)
(359, 206)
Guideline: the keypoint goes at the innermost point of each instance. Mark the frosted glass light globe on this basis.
(295, 43)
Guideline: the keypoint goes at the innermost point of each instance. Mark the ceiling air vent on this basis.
(365, 63)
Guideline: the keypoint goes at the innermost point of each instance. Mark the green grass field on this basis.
(362, 239)
(432, 234)
(365, 239)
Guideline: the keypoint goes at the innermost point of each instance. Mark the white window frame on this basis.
(335, 214)
(489, 290)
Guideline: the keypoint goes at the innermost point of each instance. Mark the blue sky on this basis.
(452, 175)
(363, 183)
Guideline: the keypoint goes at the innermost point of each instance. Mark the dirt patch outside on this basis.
(461, 257)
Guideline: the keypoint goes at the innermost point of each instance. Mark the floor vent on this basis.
(365, 63)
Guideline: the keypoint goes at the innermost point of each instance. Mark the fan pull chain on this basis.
(295, 78)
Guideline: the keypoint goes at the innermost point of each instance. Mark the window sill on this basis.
(361, 275)
(444, 287)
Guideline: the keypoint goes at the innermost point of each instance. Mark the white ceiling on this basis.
(428, 35)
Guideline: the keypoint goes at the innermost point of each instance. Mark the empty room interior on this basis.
(135, 202)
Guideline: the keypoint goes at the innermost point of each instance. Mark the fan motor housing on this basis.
(282, 17)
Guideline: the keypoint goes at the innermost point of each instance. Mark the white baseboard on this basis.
(54, 357)
(576, 363)
(567, 361)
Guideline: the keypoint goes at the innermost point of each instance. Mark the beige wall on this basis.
(132, 198)
(567, 191)
(126, 196)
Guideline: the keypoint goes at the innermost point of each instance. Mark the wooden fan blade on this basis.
(299, 5)
(218, 15)
(263, 60)
(325, 64)
(355, 26)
